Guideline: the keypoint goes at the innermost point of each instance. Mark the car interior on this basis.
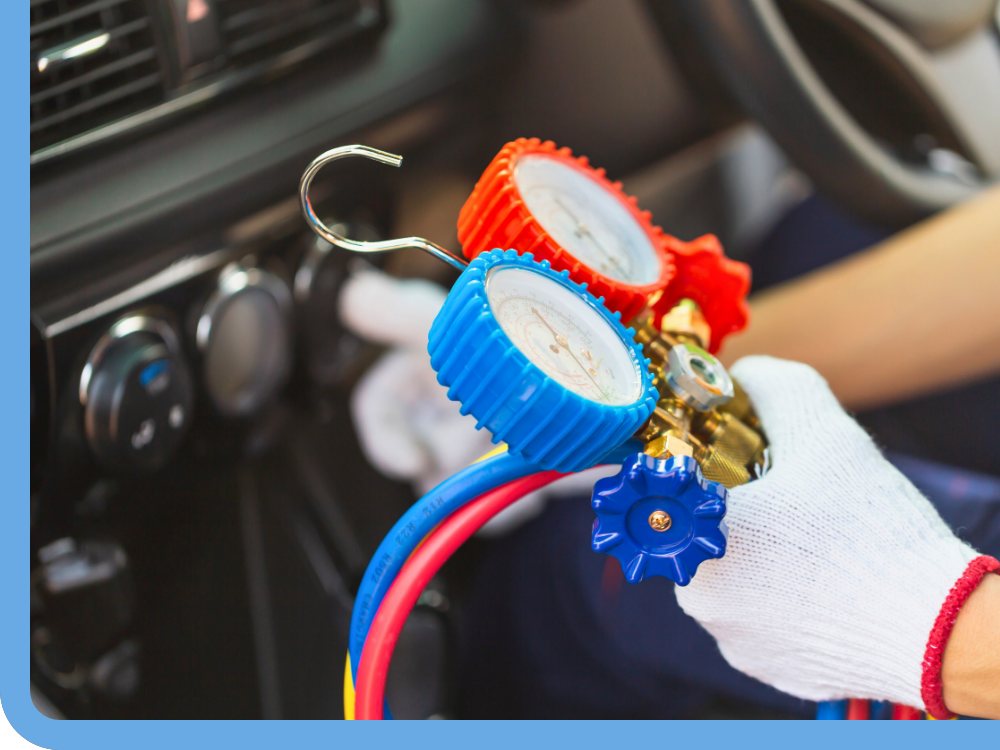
(202, 509)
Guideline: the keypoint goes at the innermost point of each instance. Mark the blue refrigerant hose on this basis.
(831, 710)
(423, 516)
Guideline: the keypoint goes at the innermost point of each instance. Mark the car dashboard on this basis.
(196, 523)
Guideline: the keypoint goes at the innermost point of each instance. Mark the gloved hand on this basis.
(840, 579)
(407, 426)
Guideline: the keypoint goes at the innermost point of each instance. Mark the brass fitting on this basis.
(686, 320)
(729, 435)
(669, 417)
(739, 406)
(717, 466)
(653, 346)
(668, 445)
(702, 412)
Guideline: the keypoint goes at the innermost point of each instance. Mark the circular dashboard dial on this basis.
(560, 333)
(244, 334)
(136, 394)
(586, 220)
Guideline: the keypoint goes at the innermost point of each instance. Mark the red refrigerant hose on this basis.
(425, 561)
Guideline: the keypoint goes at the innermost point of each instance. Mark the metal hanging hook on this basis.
(355, 245)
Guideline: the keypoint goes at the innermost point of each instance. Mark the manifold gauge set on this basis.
(578, 334)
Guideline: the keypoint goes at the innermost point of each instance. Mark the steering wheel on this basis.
(891, 107)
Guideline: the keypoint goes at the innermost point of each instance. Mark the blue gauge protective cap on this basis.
(660, 517)
(540, 420)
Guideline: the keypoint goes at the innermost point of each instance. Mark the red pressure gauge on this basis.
(540, 199)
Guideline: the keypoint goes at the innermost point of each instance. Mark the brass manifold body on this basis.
(725, 439)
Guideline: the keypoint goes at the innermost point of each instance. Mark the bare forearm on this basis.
(971, 667)
(917, 313)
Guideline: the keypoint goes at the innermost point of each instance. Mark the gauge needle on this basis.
(564, 343)
(582, 230)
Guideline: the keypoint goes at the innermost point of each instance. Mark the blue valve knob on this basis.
(660, 517)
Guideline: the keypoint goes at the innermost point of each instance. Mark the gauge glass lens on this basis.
(587, 221)
(560, 333)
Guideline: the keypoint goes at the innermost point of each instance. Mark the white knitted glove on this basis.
(407, 426)
(837, 567)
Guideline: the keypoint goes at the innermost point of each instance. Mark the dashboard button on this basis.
(244, 334)
(137, 394)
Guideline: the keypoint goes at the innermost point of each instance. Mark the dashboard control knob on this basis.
(660, 517)
(117, 673)
(137, 394)
(86, 593)
(244, 334)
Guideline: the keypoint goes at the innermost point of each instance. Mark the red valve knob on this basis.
(719, 286)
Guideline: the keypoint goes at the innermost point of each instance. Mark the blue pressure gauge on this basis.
(540, 362)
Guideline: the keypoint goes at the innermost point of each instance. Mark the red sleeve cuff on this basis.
(931, 686)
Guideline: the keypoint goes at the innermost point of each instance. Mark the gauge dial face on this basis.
(566, 338)
(587, 221)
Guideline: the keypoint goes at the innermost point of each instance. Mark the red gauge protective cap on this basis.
(495, 215)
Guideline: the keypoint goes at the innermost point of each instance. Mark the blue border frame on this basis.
(14, 564)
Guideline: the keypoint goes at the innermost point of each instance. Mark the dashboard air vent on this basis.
(92, 61)
(260, 29)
